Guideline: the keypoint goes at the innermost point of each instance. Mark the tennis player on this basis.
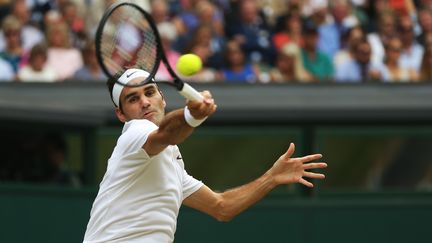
(146, 183)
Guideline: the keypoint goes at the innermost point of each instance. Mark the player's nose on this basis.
(144, 101)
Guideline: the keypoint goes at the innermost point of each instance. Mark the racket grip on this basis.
(190, 93)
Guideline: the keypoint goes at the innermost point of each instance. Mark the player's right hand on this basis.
(204, 108)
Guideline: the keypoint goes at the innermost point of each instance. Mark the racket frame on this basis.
(184, 89)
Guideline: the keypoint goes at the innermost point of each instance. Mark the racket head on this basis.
(127, 38)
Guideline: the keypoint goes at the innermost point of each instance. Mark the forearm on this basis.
(177, 125)
(173, 128)
(236, 200)
(286, 170)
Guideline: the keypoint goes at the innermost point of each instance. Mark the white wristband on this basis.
(190, 119)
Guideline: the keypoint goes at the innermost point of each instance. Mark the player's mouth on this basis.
(148, 114)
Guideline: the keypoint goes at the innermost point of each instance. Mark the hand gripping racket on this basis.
(127, 37)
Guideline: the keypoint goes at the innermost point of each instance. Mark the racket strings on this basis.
(128, 41)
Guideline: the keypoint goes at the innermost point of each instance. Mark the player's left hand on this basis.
(288, 170)
(202, 109)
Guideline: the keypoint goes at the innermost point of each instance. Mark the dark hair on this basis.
(310, 28)
(361, 43)
(425, 71)
(110, 84)
(66, 5)
(38, 49)
(88, 46)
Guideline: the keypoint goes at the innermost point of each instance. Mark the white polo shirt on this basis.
(140, 196)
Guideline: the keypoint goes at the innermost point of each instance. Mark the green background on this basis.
(349, 206)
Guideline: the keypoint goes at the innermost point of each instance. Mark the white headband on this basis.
(125, 78)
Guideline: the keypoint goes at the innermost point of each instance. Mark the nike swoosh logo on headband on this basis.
(130, 74)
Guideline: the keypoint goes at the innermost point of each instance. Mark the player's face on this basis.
(144, 102)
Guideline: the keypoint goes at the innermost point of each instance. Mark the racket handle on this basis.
(190, 93)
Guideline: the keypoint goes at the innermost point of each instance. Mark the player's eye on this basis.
(133, 99)
(150, 93)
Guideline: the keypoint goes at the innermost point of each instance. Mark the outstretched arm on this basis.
(174, 129)
(286, 170)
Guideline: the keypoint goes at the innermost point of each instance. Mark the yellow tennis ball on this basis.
(189, 64)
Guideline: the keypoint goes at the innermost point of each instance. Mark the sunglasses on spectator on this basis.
(12, 32)
(365, 53)
(395, 49)
(406, 30)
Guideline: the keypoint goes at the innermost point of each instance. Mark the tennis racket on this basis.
(127, 37)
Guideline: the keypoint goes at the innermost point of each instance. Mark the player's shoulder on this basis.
(132, 125)
(140, 122)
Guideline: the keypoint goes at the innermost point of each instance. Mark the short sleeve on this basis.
(190, 184)
(134, 136)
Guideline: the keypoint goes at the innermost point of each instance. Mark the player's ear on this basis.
(120, 114)
(163, 98)
(160, 92)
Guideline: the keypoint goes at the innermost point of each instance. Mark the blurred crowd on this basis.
(243, 41)
(38, 157)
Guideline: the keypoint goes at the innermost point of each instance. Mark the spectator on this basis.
(291, 8)
(206, 74)
(29, 34)
(349, 40)
(94, 10)
(4, 8)
(289, 66)
(290, 33)
(91, 70)
(59, 48)
(394, 71)
(403, 7)
(377, 40)
(38, 9)
(213, 45)
(76, 24)
(359, 10)
(315, 62)
(315, 10)
(32, 34)
(412, 52)
(426, 65)
(14, 51)
(201, 12)
(374, 11)
(53, 9)
(360, 69)
(209, 47)
(237, 69)
(88, 11)
(425, 21)
(173, 29)
(37, 69)
(318, 15)
(251, 31)
(330, 32)
(168, 34)
(428, 39)
(160, 11)
(425, 4)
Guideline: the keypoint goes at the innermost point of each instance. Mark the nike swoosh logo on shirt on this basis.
(179, 157)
